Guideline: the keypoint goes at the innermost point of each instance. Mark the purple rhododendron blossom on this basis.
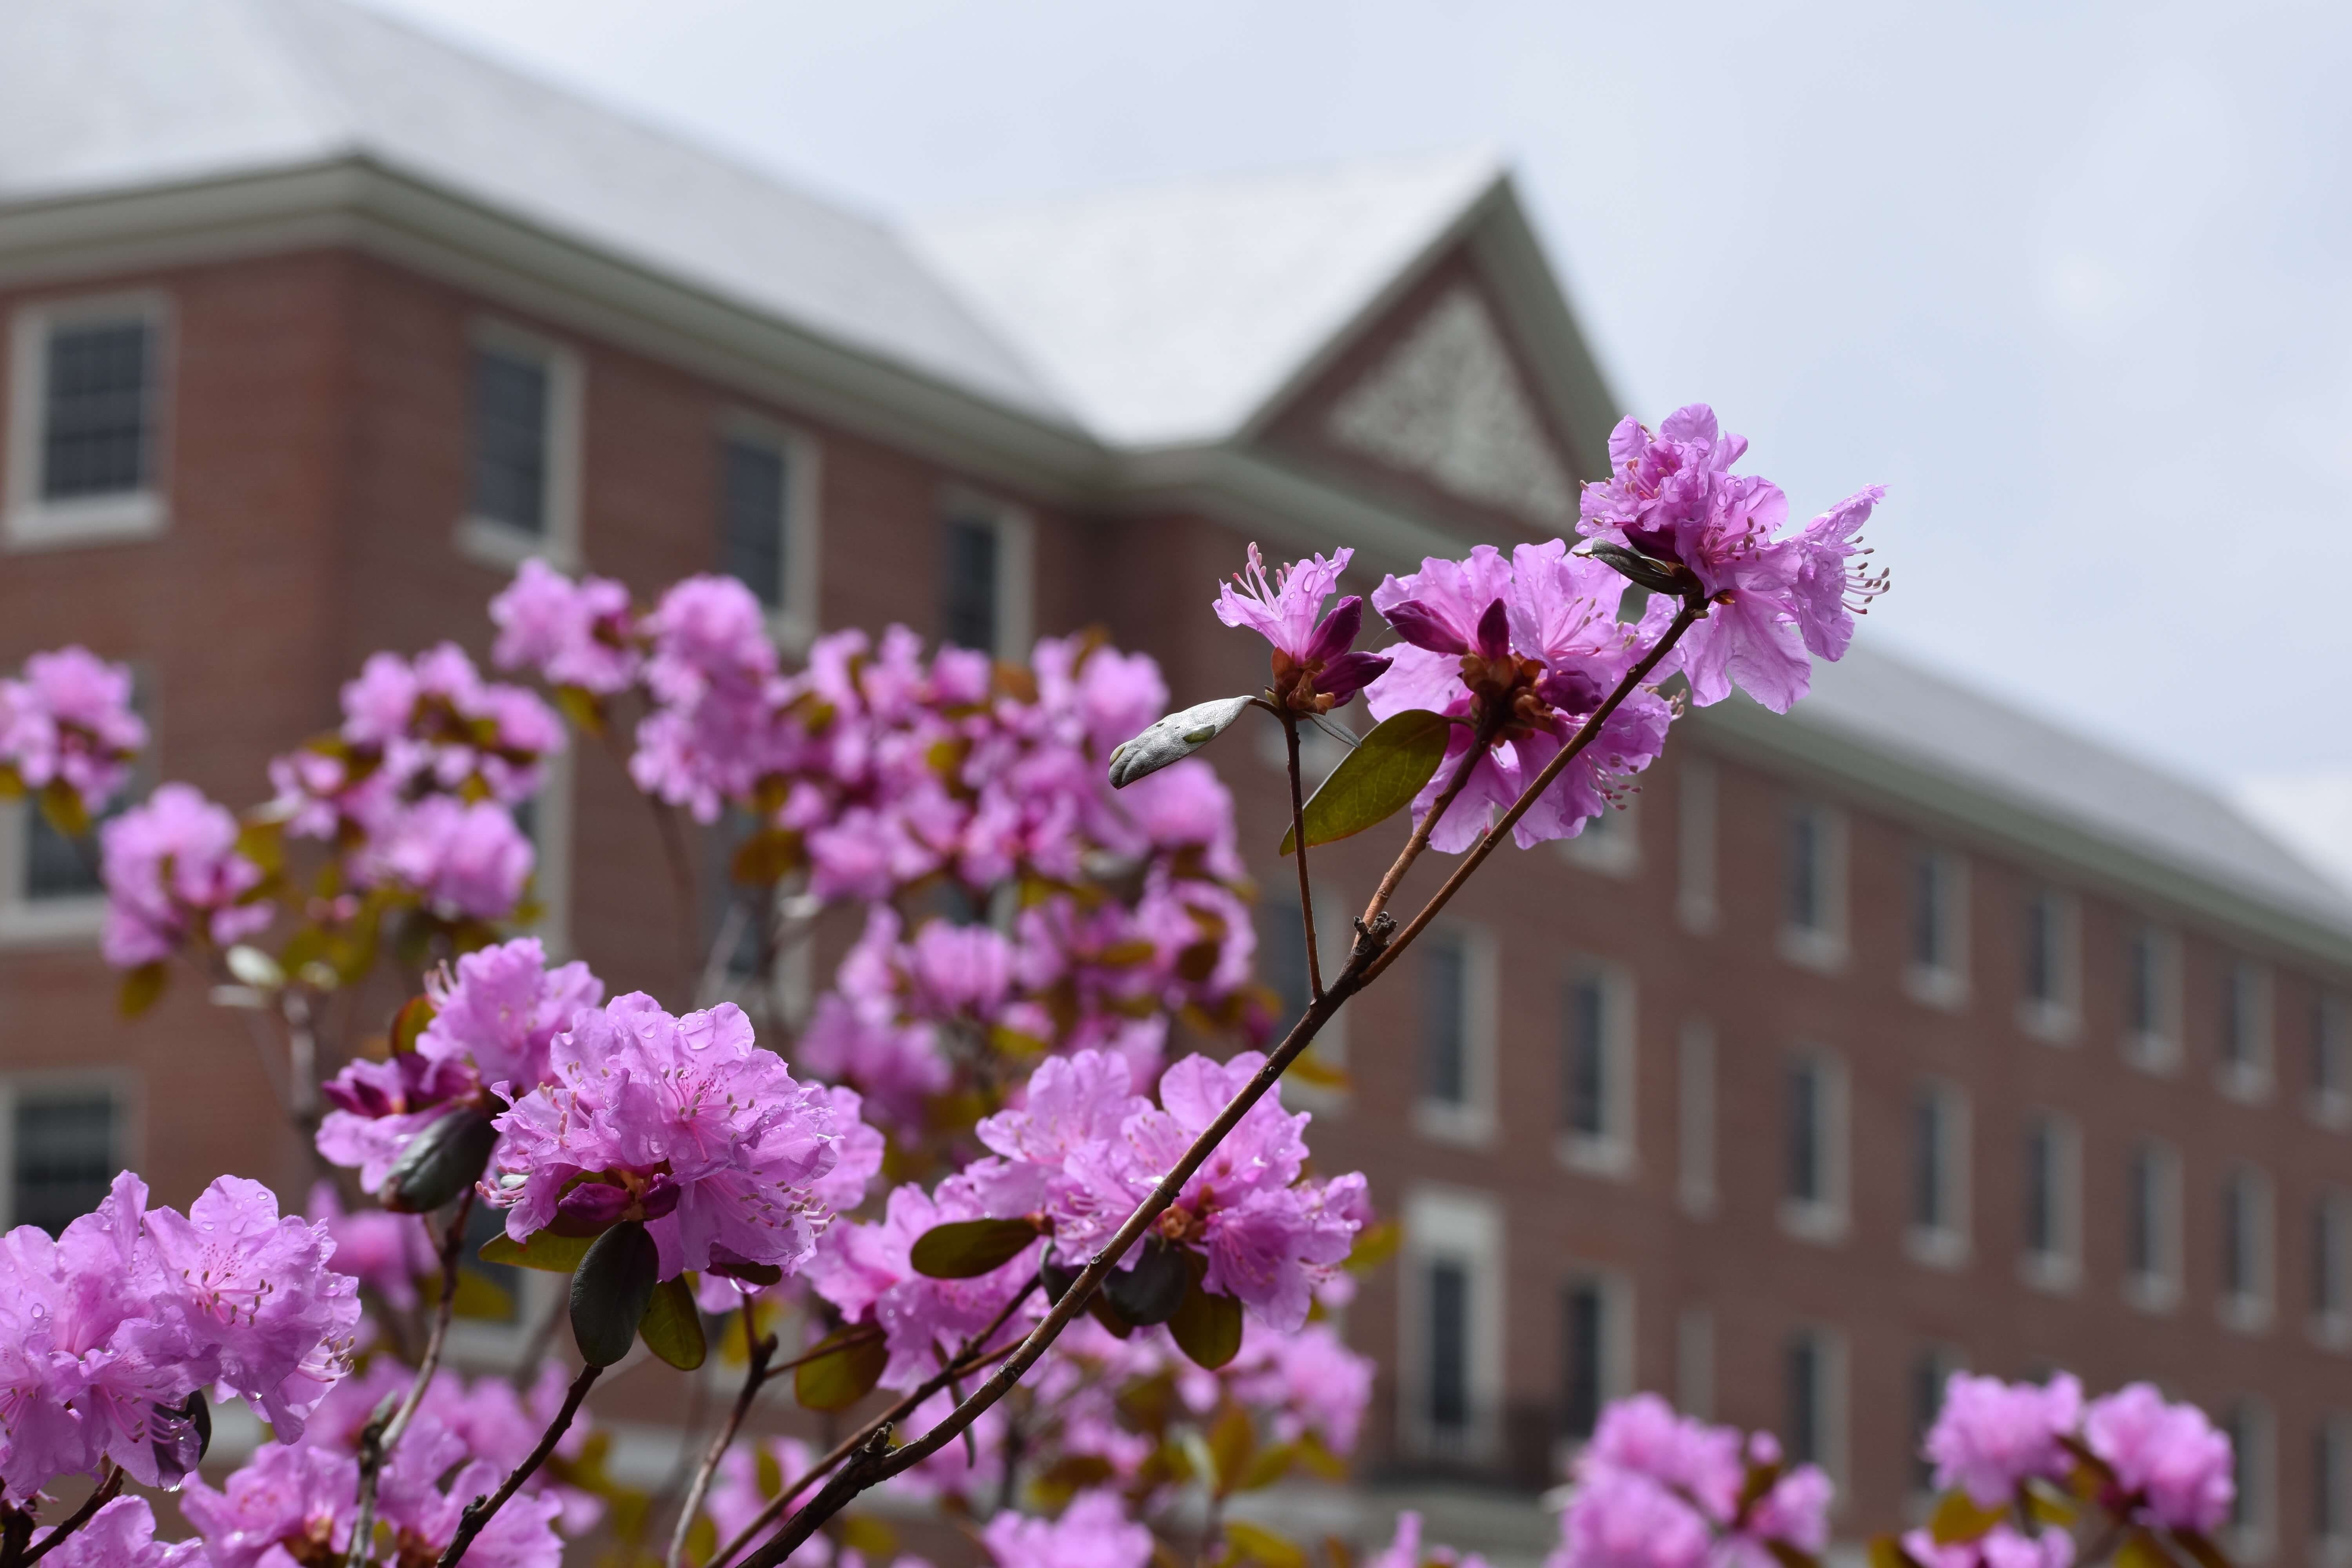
(1094, 1532)
(570, 634)
(1314, 668)
(1407, 1550)
(2167, 1458)
(387, 1253)
(1990, 1436)
(121, 1535)
(865, 1271)
(1654, 1489)
(470, 861)
(698, 1130)
(68, 719)
(173, 872)
(2003, 1546)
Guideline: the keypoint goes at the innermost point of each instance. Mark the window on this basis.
(1813, 929)
(2152, 1227)
(546, 820)
(1696, 1117)
(1457, 1036)
(2246, 1242)
(1931, 1369)
(1450, 1380)
(85, 442)
(50, 890)
(2331, 1268)
(1596, 1320)
(2253, 1511)
(2050, 1003)
(984, 579)
(2331, 1486)
(2052, 1255)
(1610, 843)
(1938, 973)
(522, 422)
(1938, 1234)
(2152, 1000)
(1596, 1105)
(1695, 847)
(767, 522)
(2245, 1030)
(65, 1145)
(1813, 1432)
(1282, 960)
(1814, 1204)
(1695, 1363)
(2331, 1062)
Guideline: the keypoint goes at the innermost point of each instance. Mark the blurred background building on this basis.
(1901, 1034)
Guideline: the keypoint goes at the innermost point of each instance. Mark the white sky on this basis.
(2076, 281)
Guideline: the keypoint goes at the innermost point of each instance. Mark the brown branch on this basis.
(1482, 741)
(761, 1351)
(1298, 843)
(482, 1510)
(378, 1438)
(107, 1490)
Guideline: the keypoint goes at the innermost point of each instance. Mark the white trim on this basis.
(1695, 1118)
(795, 622)
(1943, 984)
(1822, 945)
(26, 922)
(1609, 845)
(121, 1086)
(2057, 1019)
(33, 523)
(1825, 1218)
(1016, 565)
(2157, 1288)
(1609, 1152)
(1457, 1226)
(2057, 1268)
(2247, 989)
(1694, 834)
(1946, 1244)
(2155, 1049)
(2251, 1202)
(492, 541)
(1470, 1122)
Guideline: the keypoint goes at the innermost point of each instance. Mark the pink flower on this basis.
(2168, 1458)
(1407, 1550)
(121, 1535)
(69, 720)
(173, 872)
(1654, 1489)
(387, 1253)
(2003, 1546)
(1645, 1434)
(1303, 1382)
(501, 1007)
(570, 634)
(686, 1124)
(865, 1270)
(1314, 669)
(1991, 1437)
(1625, 1519)
(470, 861)
(1094, 1532)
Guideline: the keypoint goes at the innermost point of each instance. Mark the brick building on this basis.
(1903, 1032)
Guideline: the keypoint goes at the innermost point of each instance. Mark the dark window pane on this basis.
(2326, 1482)
(1580, 1350)
(2139, 1241)
(1803, 1373)
(1927, 1400)
(2327, 1047)
(1804, 871)
(751, 519)
(1927, 1160)
(2327, 1259)
(1804, 1133)
(510, 416)
(1282, 951)
(2041, 958)
(1927, 912)
(2237, 1240)
(55, 866)
(1586, 1110)
(2040, 1194)
(1449, 1347)
(2240, 1428)
(1443, 995)
(95, 438)
(65, 1155)
(2235, 1044)
(2141, 998)
(968, 569)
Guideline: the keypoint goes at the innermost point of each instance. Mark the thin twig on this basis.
(1683, 620)
(378, 1440)
(1298, 841)
(761, 1350)
(107, 1490)
(481, 1511)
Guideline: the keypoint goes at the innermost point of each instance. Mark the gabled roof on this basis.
(1170, 314)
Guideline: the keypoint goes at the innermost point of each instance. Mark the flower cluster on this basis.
(1406, 1550)
(1094, 1532)
(121, 1535)
(1316, 667)
(174, 873)
(67, 725)
(1654, 1489)
(108, 1331)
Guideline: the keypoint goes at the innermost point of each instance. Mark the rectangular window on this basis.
(2331, 1071)
(1813, 1377)
(1444, 1022)
(1596, 1067)
(1610, 843)
(1931, 1369)
(2245, 1030)
(1449, 1349)
(512, 403)
(1696, 1117)
(2246, 1241)
(85, 436)
(2052, 1191)
(2331, 1268)
(1450, 1372)
(2151, 1000)
(1940, 1175)
(1695, 844)
(2152, 1225)
(2049, 1001)
(1808, 890)
(1695, 1363)
(754, 518)
(1584, 1046)
(1583, 1309)
(1937, 974)
(1815, 1203)
(50, 890)
(2253, 1511)
(67, 1145)
(1807, 1181)
(2331, 1497)
(1813, 929)
(983, 581)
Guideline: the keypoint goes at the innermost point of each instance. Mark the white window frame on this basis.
(1695, 1361)
(2247, 987)
(1946, 1245)
(2250, 1197)
(2330, 1323)
(2058, 1269)
(1826, 1219)
(795, 620)
(2158, 1290)
(120, 1084)
(1823, 947)
(492, 541)
(2156, 1050)
(33, 523)
(2058, 1019)
(1471, 1121)
(1618, 1325)
(2330, 1101)
(1609, 845)
(1942, 985)
(1694, 1118)
(1017, 566)
(1611, 1151)
(1455, 1225)
(2253, 1440)
(2334, 1547)
(1831, 1371)
(1698, 787)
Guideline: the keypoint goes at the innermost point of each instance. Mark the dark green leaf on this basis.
(672, 1326)
(439, 1163)
(480, 1295)
(545, 1251)
(850, 1364)
(1886, 1552)
(1378, 778)
(2140, 1549)
(611, 1291)
(409, 1023)
(766, 858)
(62, 804)
(1247, 1542)
(1231, 1442)
(142, 988)
(1150, 1291)
(1958, 1518)
(968, 1247)
(1206, 1327)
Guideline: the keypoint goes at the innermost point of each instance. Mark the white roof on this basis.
(1169, 314)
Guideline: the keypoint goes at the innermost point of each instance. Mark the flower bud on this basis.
(1173, 739)
(439, 1163)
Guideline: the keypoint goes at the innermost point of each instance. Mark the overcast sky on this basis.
(2071, 280)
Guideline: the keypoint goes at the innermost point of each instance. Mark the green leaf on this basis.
(255, 968)
(2043, 1505)
(610, 1292)
(672, 1326)
(1378, 778)
(1266, 1466)
(1886, 1552)
(481, 1298)
(965, 1248)
(1151, 1290)
(582, 707)
(439, 1163)
(1247, 1542)
(143, 986)
(1957, 1518)
(546, 1251)
(62, 804)
(846, 1369)
(2139, 1550)
(766, 858)
(409, 1023)
(1232, 1441)
(1206, 1327)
